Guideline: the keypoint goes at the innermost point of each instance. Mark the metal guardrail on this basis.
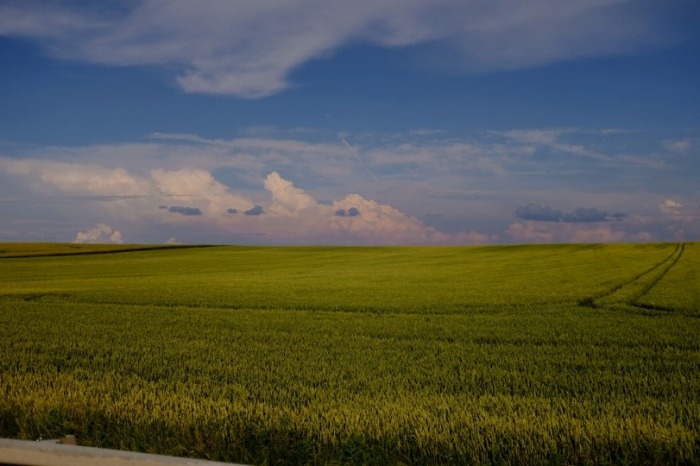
(65, 452)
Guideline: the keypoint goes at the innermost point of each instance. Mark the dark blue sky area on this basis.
(363, 88)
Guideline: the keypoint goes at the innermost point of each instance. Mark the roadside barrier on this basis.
(65, 452)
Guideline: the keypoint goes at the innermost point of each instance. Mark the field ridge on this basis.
(108, 250)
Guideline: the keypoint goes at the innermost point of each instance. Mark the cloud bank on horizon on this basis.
(231, 191)
(291, 216)
(249, 49)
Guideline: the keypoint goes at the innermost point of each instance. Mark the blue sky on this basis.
(366, 122)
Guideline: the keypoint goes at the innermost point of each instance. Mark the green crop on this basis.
(558, 354)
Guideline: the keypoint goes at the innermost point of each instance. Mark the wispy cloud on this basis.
(248, 49)
(679, 146)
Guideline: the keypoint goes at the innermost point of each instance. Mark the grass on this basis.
(560, 354)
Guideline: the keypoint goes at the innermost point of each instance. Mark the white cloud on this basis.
(249, 48)
(669, 206)
(377, 223)
(291, 215)
(199, 189)
(101, 233)
(286, 199)
(76, 178)
(301, 218)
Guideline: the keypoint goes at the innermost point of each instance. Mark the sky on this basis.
(336, 122)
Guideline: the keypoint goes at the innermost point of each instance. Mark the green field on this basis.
(557, 354)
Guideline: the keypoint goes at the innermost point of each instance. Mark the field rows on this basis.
(403, 280)
(382, 356)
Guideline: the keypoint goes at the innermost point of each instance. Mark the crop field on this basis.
(514, 355)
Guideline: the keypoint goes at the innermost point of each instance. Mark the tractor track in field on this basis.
(656, 273)
(676, 257)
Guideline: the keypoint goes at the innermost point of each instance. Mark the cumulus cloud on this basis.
(286, 199)
(294, 215)
(291, 216)
(249, 48)
(459, 182)
(383, 224)
(101, 233)
(198, 185)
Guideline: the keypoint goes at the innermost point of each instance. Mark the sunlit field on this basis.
(556, 354)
